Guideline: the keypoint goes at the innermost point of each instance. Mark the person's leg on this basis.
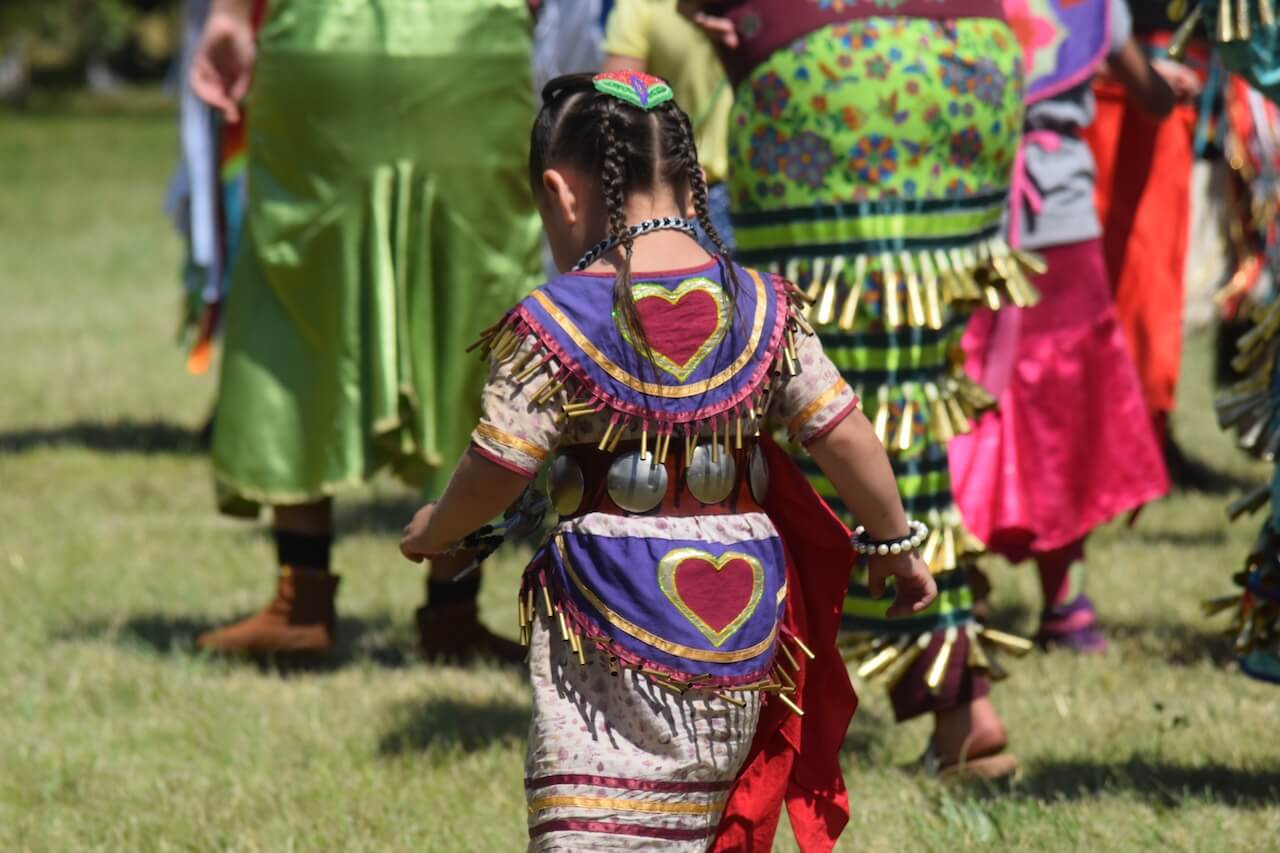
(301, 617)
(1068, 620)
(449, 627)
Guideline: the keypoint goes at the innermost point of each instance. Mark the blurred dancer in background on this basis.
(205, 199)
(1068, 446)
(869, 161)
(1143, 198)
(651, 35)
(387, 214)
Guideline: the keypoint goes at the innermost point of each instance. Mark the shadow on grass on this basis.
(1183, 538)
(1178, 644)
(1014, 616)
(455, 724)
(381, 514)
(108, 437)
(867, 736)
(1158, 782)
(359, 640)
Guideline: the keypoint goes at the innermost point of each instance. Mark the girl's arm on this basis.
(514, 438)
(479, 491)
(856, 464)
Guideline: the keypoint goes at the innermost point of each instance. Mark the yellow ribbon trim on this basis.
(652, 388)
(651, 639)
(819, 403)
(511, 442)
(621, 805)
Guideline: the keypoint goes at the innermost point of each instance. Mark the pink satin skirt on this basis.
(1071, 445)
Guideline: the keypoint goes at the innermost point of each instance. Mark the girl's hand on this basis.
(914, 585)
(223, 63)
(415, 545)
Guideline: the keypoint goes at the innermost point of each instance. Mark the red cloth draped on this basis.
(796, 760)
(1143, 200)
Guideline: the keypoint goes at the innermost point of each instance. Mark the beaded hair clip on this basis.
(635, 87)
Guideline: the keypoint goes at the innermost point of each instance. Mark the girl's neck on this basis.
(657, 251)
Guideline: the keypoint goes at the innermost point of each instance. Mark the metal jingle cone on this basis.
(937, 671)
(848, 313)
(899, 669)
(889, 292)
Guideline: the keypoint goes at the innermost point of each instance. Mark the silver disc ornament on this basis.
(565, 485)
(711, 482)
(635, 484)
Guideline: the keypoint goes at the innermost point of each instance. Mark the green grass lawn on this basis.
(115, 735)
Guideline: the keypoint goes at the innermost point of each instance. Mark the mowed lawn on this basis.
(115, 734)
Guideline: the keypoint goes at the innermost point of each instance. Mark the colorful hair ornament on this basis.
(635, 87)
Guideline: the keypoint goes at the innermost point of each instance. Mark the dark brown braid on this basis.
(632, 150)
(701, 200)
(613, 182)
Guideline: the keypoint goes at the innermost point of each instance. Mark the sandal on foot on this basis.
(988, 767)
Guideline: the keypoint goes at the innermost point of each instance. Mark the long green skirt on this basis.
(389, 221)
(870, 164)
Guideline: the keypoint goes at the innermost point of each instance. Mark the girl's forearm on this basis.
(478, 492)
(855, 462)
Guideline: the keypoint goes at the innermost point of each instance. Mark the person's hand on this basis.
(914, 586)
(1182, 80)
(720, 30)
(415, 545)
(223, 63)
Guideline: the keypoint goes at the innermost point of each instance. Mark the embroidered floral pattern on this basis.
(770, 95)
(809, 159)
(858, 111)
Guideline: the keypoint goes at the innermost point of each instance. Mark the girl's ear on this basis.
(561, 196)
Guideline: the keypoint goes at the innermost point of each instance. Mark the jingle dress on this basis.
(662, 607)
(1252, 407)
(388, 212)
(870, 161)
(1069, 445)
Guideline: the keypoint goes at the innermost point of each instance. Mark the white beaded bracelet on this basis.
(918, 531)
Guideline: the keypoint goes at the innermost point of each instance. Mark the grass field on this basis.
(115, 735)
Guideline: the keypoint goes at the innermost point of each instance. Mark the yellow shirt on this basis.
(673, 49)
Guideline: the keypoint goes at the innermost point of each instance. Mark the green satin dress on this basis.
(389, 222)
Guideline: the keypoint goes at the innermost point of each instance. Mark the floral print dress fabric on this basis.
(871, 162)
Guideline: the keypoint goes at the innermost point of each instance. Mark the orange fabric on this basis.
(796, 760)
(1143, 200)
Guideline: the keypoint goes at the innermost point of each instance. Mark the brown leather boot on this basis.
(299, 620)
(452, 633)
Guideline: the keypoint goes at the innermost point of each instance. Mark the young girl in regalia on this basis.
(683, 611)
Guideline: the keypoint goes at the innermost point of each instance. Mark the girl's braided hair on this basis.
(632, 150)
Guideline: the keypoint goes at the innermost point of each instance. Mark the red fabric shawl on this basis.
(796, 760)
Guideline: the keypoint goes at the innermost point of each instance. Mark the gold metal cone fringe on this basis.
(777, 682)
(889, 658)
(1014, 645)
(914, 284)
(894, 674)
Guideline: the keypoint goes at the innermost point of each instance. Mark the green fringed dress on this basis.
(389, 221)
(870, 164)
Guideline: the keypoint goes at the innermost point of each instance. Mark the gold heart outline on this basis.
(646, 290)
(667, 581)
